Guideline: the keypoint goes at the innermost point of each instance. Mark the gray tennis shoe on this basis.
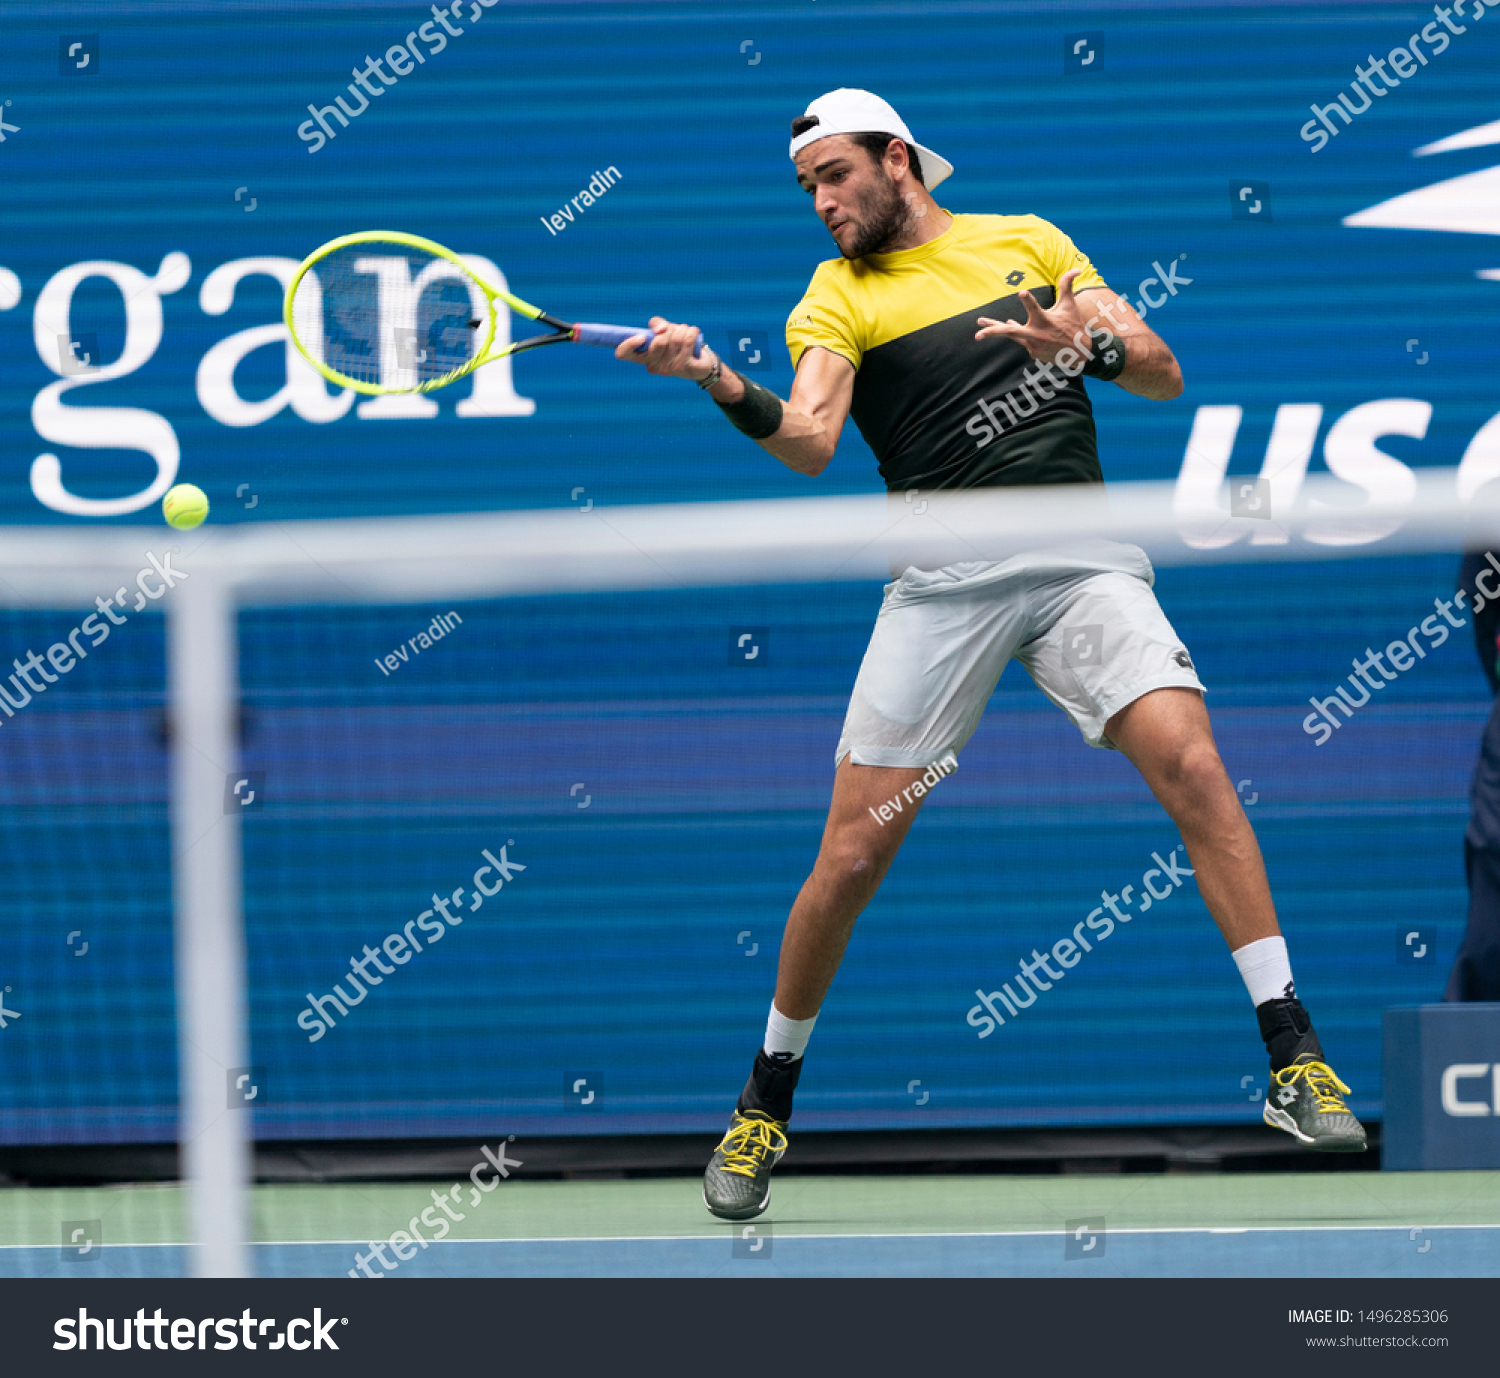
(737, 1185)
(1305, 1101)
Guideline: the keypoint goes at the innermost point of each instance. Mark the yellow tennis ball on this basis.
(185, 506)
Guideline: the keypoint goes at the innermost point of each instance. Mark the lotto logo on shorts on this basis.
(1083, 646)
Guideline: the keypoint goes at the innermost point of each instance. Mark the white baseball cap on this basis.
(849, 111)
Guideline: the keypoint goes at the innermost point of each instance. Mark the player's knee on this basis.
(853, 857)
(1196, 770)
(848, 863)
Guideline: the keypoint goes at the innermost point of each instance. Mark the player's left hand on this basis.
(1046, 332)
(670, 351)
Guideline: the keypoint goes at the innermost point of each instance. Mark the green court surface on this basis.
(1336, 1224)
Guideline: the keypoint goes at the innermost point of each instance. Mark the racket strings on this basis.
(388, 315)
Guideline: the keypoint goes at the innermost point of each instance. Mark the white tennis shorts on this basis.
(1083, 623)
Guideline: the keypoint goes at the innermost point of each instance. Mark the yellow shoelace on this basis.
(1318, 1076)
(749, 1143)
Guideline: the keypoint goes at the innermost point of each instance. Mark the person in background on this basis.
(1476, 970)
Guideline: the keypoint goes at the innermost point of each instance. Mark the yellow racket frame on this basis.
(482, 355)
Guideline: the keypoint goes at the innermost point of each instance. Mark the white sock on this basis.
(1266, 969)
(787, 1036)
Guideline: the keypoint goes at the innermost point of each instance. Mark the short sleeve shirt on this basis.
(939, 408)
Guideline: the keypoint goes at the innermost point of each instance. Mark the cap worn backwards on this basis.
(851, 111)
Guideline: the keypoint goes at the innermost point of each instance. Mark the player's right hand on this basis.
(670, 352)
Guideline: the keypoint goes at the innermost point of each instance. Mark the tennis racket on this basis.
(384, 312)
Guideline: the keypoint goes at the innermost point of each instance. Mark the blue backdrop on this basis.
(665, 802)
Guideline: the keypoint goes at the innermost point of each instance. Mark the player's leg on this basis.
(1139, 693)
(858, 847)
(857, 850)
(872, 810)
(934, 656)
(1166, 734)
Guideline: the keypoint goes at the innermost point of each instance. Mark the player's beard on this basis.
(884, 219)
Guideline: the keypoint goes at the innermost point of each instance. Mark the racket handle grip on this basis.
(612, 335)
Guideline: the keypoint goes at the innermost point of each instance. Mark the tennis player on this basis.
(956, 342)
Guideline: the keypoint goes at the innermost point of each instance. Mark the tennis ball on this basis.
(185, 506)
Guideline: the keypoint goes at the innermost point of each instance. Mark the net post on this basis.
(215, 1143)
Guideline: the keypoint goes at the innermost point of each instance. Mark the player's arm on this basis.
(802, 432)
(1149, 367)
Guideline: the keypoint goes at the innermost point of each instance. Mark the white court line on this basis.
(677, 1238)
(945, 1234)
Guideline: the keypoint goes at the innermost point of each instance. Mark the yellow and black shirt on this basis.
(906, 321)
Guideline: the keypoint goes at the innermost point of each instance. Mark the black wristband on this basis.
(757, 414)
(1108, 359)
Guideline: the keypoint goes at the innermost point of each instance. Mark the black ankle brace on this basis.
(770, 1087)
(1288, 1032)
